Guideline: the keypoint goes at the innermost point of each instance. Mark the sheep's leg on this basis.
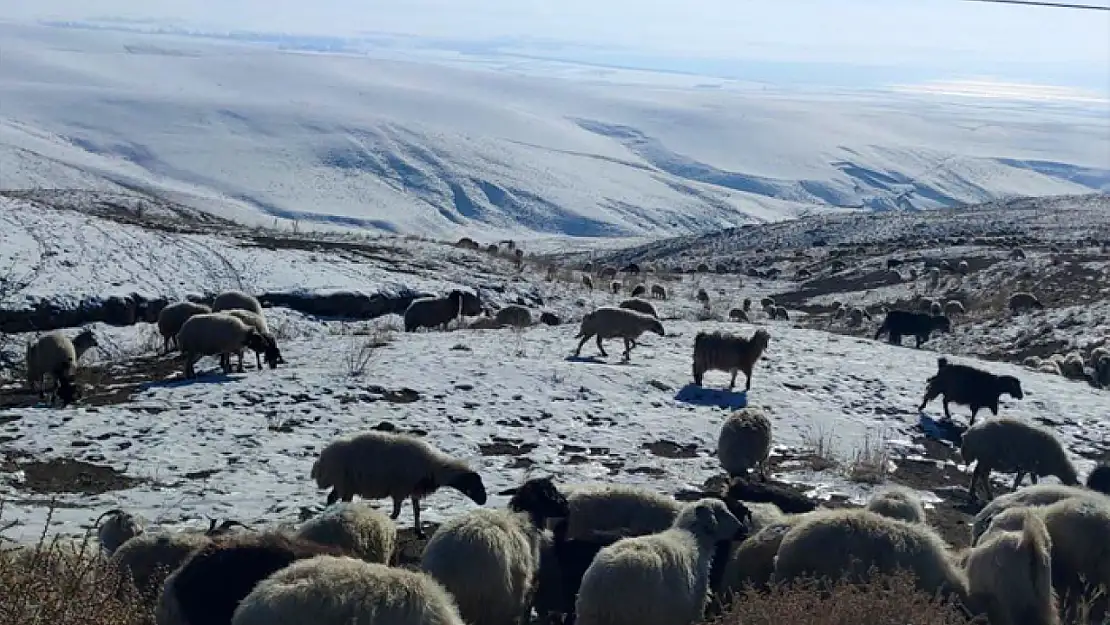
(580, 344)
(416, 517)
(396, 507)
(628, 345)
(165, 344)
(732, 380)
(258, 360)
(1017, 479)
(240, 367)
(747, 382)
(600, 348)
(930, 395)
(333, 496)
(974, 411)
(1033, 477)
(948, 414)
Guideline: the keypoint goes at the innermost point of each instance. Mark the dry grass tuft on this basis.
(871, 462)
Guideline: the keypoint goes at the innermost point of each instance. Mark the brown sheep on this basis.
(726, 352)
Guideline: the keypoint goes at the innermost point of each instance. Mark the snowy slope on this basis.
(419, 147)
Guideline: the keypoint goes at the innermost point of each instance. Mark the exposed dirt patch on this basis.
(66, 475)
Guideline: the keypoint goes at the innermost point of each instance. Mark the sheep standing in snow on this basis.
(1021, 302)
(513, 316)
(231, 300)
(1010, 576)
(328, 590)
(258, 322)
(355, 528)
(489, 559)
(897, 503)
(767, 304)
(899, 323)
(631, 510)
(727, 352)
(172, 317)
(747, 304)
(1013, 446)
(219, 334)
(56, 354)
(432, 312)
(779, 312)
(661, 579)
(738, 314)
(702, 297)
(374, 465)
(969, 386)
(610, 322)
(639, 291)
(1017, 254)
(658, 291)
(745, 442)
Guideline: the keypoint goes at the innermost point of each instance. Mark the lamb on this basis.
(726, 352)
(1010, 576)
(514, 316)
(172, 317)
(658, 291)
(630, 510)
(897, 503)
(969, 386)
(115, 527)
(738, 314)
(355, 528)
(1022, 301)
(639, 290)
(231, 300)
(662, 579)
(329, 590)
(1099, 479)
(374, 465)
(489, 559)
(784, 497)
(220, 334)
(56, 354)
(639, 305)
(1029, 496)
(432, 312)
(702, 296)
(588, 282)
(258, 322)
(745, 442)
(954, 307)
(610, 322)
(1013, 446)
(210, 583)
(900, 322)
(615, 287)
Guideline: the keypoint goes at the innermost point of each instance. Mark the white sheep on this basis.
(218, 334)
(116, 527)
(330, 590)
(231, 300)
(151, 557)
(1029, 496)
(610, 322)
(173, 316)
(897, 503)
(752, 562)
(631, 510)
(745, 442)
(374, 465)
(258, 322)
(660, 579)
(1013, 446)
(57, 355)
(1009, 576)
(356, 528)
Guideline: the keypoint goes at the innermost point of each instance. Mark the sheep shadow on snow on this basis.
(718, 397)
(598, 360)
(202, 378)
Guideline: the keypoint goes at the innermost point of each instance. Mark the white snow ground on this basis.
(417, 147)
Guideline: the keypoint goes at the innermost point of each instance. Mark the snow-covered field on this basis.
(341, 140)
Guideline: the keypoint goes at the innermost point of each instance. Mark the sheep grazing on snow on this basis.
(718, 351)
(172, 317)
(211, 582)
(1029, 496)
(489, 559)
(258, 322)
(639, 305)
(1099, 479)
(329, 590)
(355, 528)
(433, 312)
(1021, 302)
(897, 503)
(658, 291)
(610, 322)
(899, 323)
(661, 579)
(639, 290)
(745, 442)
(219, 334)
(588, 282)
(615, 287)
(231, 300)
(1013, 446)
(969, 386)
(56, 354)
(783, 497)
(374, 465)
(514, 316)
(1010, 576)
(738, 314)
(954, 307)
(115, 527)
(779, 312)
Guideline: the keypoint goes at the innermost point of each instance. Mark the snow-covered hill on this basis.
(256, 132)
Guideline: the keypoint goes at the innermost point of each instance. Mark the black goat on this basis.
(899, 323)
(785, 498)
(1099, 479)
(969, 386)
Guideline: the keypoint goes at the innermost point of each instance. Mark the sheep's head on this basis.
(1011, 386)
(1066, 472)
(760, 340)
(470, 484)
(710, 518)
(116, 527)
(85, 341)
(255, 340)
(541, 498)
(271, 353)
(656, 326)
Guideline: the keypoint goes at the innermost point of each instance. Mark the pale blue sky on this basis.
(946, 34)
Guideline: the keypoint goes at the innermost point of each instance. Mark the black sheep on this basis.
(1099, 479)
(899, 323)
(211, 583)
(540, 499)
(784, 498)
(969, 386)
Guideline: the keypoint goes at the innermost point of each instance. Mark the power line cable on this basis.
(1040, 3)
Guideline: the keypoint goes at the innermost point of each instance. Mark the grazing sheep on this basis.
(1029, 496)
(615, 287)
(1071, 366)
(1017, 254)
(629, 510)
(702, 268)
(897, 503)
(631, 268)
(355, 528)
(115, 527)
(919, 325)
(662, 579)
(550, 319)
(610, 322)
(969, 386)
(702, 296)
(767, 303)
(963, 267)
(784, 497)
(658, 291)
(374, 465)
(588, 282)
(432, 312)
(56, 354)
(1080, 556)
(513, 316)
(1022, 301)
(1009, 577)
(221, 334)
(489, 559)
(258, 322)
(231, 300)
(779, 312)
(468, 244)
(745, 442)
(738, 314)
(172, 317)
(639, 290)
(329, 590)
(1099, 479)
(150, 557)
(1013, 446)
(718, 351)
(492, 248)
(639, 305)
(211, 582)
(954, 307)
